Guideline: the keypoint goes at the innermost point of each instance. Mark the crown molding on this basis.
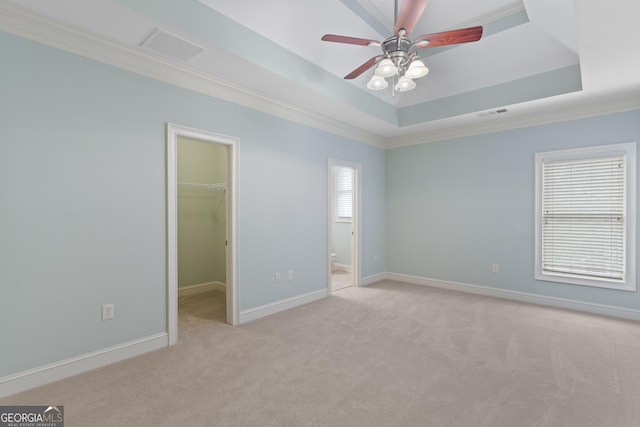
(563, 108)
(41, 29)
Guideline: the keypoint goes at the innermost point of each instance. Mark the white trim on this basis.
(374, 278)
(233, 304)
(278, 306)
(604, 310)
(202, 287)
(39, 28)
(76, 365)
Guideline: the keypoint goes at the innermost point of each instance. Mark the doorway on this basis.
(344, 215)
(218, 191)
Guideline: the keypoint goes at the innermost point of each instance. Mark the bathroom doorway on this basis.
(344, 214)
(201, 220)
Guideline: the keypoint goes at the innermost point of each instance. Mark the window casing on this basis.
(585, 216)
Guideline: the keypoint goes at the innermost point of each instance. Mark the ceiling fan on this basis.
(399, 58)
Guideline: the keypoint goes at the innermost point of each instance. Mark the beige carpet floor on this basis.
(390, 354)
(341, 279)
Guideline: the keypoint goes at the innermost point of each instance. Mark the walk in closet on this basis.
(201, 185)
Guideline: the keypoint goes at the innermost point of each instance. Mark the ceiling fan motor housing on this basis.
(399, 50)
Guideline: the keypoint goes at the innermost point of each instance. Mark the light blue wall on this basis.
(82, 211)
(456, 207)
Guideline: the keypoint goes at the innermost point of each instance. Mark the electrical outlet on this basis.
(290, 275)
(277, 277)
(495, 268)
(107, 311)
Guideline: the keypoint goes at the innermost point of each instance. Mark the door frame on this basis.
(175, 131)
(356, 225)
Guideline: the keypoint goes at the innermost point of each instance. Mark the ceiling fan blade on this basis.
(410, 13)
(464, 35)
(349, 40)
(364, 67)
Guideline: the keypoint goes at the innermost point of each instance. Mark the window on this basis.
(344, 193)
(585, 216)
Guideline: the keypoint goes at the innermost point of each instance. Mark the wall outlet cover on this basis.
(107, 311)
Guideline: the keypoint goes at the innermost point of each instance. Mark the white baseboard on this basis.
(276, 307)
(369, 280)
(56, 371)
(202, 287)
(605, 310)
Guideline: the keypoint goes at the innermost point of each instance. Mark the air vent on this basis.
(171, 45)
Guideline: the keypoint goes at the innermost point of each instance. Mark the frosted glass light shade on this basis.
(405, 84)
(416, 69)
(386, 68)
(377, 83)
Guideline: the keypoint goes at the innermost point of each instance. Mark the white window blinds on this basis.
(583, 217)
(344, 193)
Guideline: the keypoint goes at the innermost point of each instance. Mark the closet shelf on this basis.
(206, 187)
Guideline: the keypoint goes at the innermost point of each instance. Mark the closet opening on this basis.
(201, 232)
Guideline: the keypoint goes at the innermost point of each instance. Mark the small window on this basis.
(344, 193)
(585, 216)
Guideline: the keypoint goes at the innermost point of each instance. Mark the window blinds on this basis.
(583, 223)
(344, 192)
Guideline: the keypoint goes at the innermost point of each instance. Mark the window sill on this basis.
(628, 285)
(344, 220)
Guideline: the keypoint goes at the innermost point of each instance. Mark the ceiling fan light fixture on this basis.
(405, 84)
(399, 58)
(416, 69)
(386, 68)
(377, 83)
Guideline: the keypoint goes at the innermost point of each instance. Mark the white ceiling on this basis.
(535, 55)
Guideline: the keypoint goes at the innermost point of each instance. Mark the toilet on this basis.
(333, 260)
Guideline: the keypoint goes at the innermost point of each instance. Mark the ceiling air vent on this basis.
(171, 45)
